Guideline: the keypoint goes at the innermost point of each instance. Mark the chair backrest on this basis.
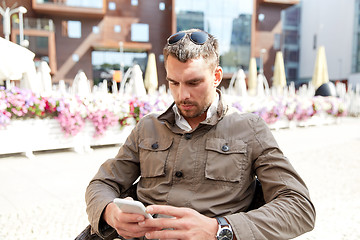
(258, 199)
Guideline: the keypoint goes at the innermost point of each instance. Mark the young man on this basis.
(198, 162)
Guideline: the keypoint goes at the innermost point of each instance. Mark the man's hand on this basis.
(186, 224)
(126, 224)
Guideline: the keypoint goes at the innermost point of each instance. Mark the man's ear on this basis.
(218, 76)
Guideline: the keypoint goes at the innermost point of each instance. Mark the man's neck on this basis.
(188, 124)
(194, 122)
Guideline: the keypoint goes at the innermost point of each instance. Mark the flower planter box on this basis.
(29, 135)
(316, 120)
(26, 136)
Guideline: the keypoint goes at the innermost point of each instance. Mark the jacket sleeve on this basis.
(114, 177)
(288, 211)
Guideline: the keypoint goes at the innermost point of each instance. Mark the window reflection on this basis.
(356, 48)
(291, 41)
(106, 62)
(75, 3)
(38, 45)
(229, 22)
(71, 29)
(140, 32)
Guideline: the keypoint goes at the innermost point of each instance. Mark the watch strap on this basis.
(223, 226)
(222, 221)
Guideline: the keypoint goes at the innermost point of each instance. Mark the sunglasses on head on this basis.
(198, 38)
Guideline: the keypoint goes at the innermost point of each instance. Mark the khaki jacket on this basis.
(211, 169)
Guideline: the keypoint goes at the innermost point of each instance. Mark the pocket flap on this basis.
(156, 145)
(225, 146)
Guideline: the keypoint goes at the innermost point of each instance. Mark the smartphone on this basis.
(131, 206)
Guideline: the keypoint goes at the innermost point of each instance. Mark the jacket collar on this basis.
(168, 117)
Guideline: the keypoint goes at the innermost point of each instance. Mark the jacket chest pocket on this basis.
(226, 159)
(153, 156)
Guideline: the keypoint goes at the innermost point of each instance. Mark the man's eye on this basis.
(174, 83)
(194, 83)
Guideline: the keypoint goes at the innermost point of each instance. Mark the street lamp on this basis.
(121, 49)
(6, 21)
(23, 42)
(262, 53)
(263, 81)
(6, 14)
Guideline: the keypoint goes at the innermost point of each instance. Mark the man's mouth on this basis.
(187, 106)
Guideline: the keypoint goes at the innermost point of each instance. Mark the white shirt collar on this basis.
(184, 125)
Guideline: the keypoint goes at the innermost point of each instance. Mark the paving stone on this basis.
(43, 198)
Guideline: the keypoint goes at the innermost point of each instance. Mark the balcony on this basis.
(282, 3)
(41, 36)
(39, 24)
(81, 8)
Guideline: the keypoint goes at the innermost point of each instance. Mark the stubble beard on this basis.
(188, 114)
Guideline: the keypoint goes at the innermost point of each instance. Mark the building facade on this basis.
(336, 26)
(100, 36)
(290, 38)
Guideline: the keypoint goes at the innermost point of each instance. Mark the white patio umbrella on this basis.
(262, 88)
(260, 92)
(62, 87)
(279, 78)
(81, 85)
(252, 77)
(151, 77)
(15, 61)
(240, 84)
(137, 81)
(133, 82)
(44, 76)
(321, 74)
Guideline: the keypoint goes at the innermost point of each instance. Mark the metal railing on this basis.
(74, 3)
(36, 24)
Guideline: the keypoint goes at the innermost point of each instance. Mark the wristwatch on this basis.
(224, 231)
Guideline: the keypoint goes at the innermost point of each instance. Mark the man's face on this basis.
(193, 86)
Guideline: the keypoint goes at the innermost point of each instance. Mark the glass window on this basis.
(292, 73)
(75, 3)
(277, 41)
(112, 6)
(42, 43)
(105, 62)
(74, 29)
(39, 45)
(140, 32)
(291, 37)
(357, 60)
(291, 55)
(161, 58)
(290, 40)
(356, 39)
(82, 3)
(294, 56)
(134, 2)
(95, 29)
(292, 16)
(230, 23)
(75, 57)
(71, 29)
(117, 28)
(162, 6)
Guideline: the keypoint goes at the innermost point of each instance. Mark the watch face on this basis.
(225, 234)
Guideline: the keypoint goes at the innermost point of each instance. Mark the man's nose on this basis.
(184, 93)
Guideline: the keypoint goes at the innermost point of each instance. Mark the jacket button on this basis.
(179, 174)
(155, 146)
(188, 136)
(225, 148)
